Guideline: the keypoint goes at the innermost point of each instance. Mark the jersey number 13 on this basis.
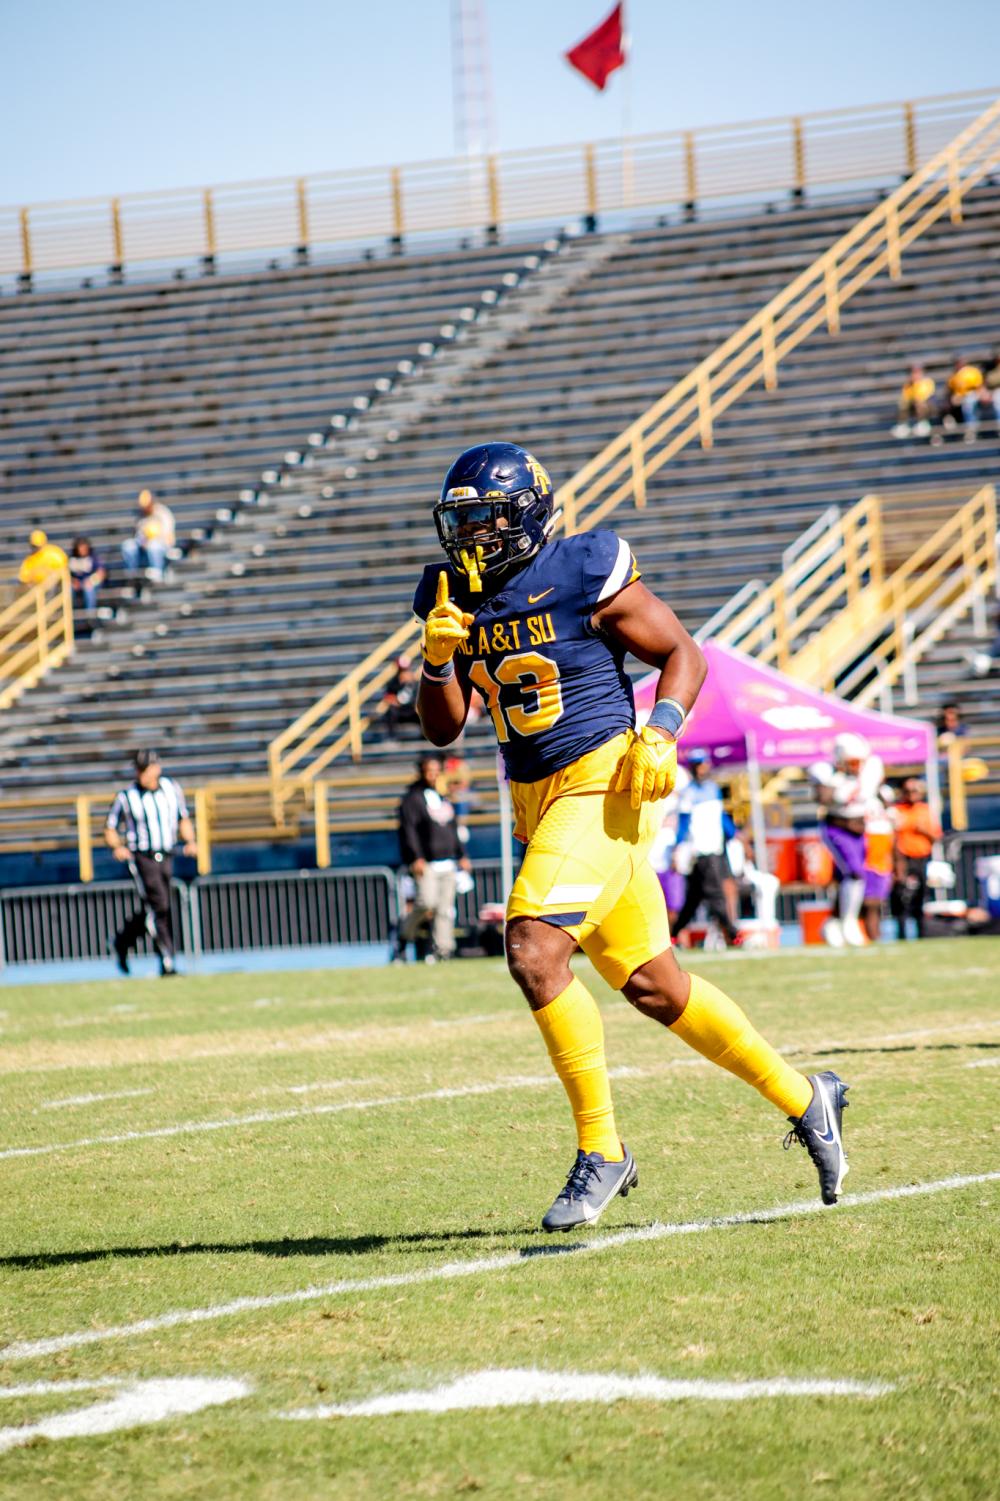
(537, 679)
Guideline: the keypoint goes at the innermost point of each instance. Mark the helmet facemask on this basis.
(485, 534)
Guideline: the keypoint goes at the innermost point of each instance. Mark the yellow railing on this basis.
(922, 599)
(751, 356)
(836, 605)
(828, 577)
(227, 812)
(338, 713)
(36, 633)
(871, 143)
(686, 414)
(971, 759)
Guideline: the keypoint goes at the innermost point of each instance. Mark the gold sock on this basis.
(574, 1036)
(715, 1026)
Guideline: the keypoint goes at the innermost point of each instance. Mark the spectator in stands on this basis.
(915, 405)
(399, 701)
(962, 401)
(87, 574)
(990, 394)
(704, 827)
(431, 848)
(45, 559)
(154, 537)
(916, 831)
(949, 725)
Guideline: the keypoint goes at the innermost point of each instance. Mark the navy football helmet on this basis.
(495, 510)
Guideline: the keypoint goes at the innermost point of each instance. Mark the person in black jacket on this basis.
(431, 849)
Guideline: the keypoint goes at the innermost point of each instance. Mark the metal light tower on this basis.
(472, 79)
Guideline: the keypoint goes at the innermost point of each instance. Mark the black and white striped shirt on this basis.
(148, 820)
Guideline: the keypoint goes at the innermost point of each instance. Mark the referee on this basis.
(141, 831)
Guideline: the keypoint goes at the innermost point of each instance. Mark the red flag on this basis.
(600, 53)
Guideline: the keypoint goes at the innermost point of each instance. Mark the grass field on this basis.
(368, 1155)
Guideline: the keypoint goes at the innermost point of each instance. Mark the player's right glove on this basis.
(649, 769)
(446, 626)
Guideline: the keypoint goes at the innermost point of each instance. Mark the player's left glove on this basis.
(649, 769)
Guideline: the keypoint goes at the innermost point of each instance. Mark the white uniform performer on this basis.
(847, 791)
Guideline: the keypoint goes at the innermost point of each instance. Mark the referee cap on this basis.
(146, 758)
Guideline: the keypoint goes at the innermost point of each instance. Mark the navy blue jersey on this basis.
(555, 687)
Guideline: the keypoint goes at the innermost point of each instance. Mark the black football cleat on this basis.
(819, 1131)
(590, 1187)
(121, 954)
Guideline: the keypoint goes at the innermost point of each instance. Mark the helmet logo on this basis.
(462, 492)
(538, 474)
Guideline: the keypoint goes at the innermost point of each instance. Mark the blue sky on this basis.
(109, 96)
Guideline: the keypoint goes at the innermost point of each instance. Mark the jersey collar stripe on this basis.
(619, 572)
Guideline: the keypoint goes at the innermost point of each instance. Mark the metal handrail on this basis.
(954, 567)
(688, 411)
(36, 634)
(826, 575)
(751, 590)
(866, 143)
(222, 809)
(751, 356)
(959, 764)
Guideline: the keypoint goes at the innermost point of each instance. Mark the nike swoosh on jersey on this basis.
(534, 598)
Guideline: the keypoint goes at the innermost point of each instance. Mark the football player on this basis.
(847, 791)
(541, 629)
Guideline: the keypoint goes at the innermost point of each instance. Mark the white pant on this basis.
(436, 898)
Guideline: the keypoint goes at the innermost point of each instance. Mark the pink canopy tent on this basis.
(748, 710)
(751, 715)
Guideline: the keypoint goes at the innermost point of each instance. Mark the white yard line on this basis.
(478, 1018)
(984, 1063)
(50, 1388)
(813, 1051)
(135, 1404)
(529, 1388)
(270, 1117)
(312, 1042)
(93, 1099)
(30, 1349)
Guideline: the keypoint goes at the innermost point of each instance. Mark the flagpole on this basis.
(627, 182)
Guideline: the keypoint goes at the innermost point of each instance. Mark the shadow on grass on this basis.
(314, 1245)
(843, 1050)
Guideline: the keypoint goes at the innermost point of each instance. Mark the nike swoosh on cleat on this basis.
(534, 598)
(828, 1135)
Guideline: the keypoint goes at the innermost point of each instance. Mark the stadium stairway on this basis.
(326, 563)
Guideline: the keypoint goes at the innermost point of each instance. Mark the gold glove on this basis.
(649, 769)
(446, 626)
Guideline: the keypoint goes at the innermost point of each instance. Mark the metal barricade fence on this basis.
(39, 924)
(487, 887)
(222, 914)
(962, 851)
(300, 910)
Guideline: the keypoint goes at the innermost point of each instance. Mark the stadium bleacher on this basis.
(256, 626)
(188, 387)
